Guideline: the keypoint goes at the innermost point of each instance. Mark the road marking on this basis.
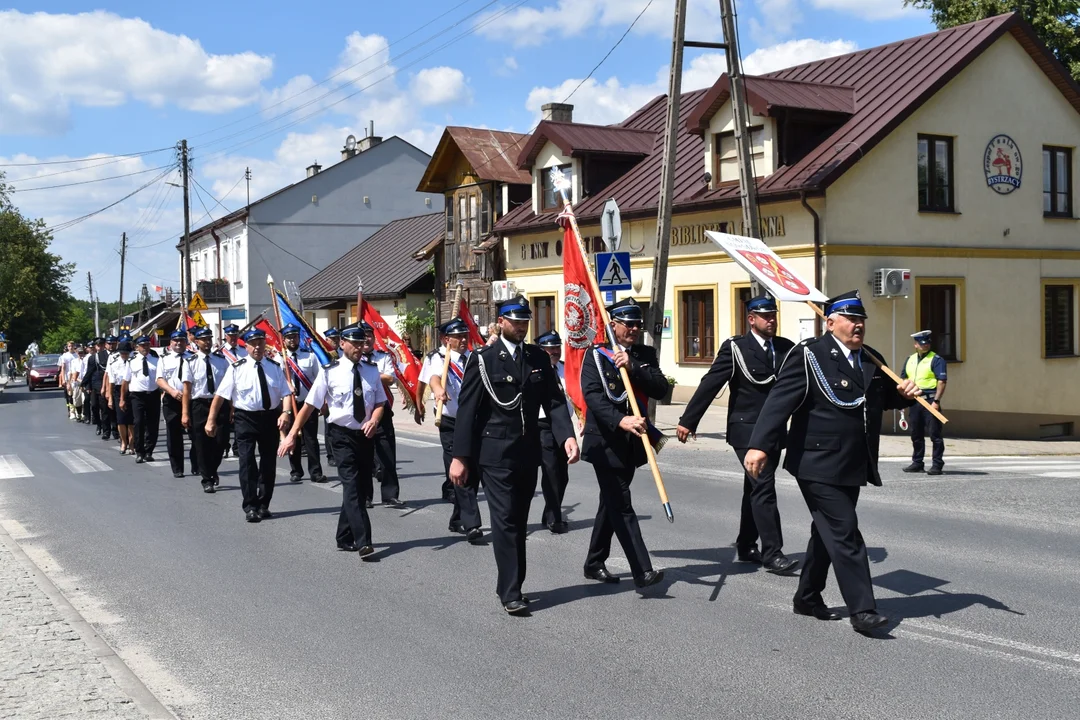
(80, 461)
(993, 640)
(402, 439)
(980, 650)
(12, 467)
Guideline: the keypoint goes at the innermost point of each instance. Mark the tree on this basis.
(75, 322)
(1056, 22)
(33, 281)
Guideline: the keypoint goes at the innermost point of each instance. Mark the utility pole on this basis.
(747, 179)
(187, 221)
(667, 180)
(90, 289)
(120, 307)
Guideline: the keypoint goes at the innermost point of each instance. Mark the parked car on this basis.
(43, 372)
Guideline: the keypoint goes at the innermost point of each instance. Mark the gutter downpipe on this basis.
(817, 255)
(217, 254)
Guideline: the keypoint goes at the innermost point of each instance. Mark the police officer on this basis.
(115, 372)
(554, 472)
(332, 335)
(748, 365)
(306, 362)
(140, 392)
(171, 372)
(612, 440)
(504, 387)
(355, 396)
(91, 381)
(928, 370)
(385, 438)
(231, 350)
(262, 406)
(834, 395)
(465, 517)
(105, 413)
(204, 373)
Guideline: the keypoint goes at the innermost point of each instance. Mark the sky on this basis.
(275, 86)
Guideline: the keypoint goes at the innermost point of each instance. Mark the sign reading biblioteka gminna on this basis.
(766, 267)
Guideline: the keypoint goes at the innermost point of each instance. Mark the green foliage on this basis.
(414, 321)
(75, 323)
(1056, 22)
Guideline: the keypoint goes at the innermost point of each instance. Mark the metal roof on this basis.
(576, 138)
(490, 153)
(765, 93)
(384, 261)
(890, 82)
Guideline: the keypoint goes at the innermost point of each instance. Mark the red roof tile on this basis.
(491, 153)
(575, 138)
(765, 93)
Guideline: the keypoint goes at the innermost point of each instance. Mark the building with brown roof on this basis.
(950, 157)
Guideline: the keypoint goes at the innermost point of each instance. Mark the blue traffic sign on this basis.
(613, 271)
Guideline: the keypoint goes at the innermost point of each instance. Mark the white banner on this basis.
(766, 267)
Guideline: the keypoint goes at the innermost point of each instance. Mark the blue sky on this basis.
(79, 81)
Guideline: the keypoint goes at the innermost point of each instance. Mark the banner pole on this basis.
(446, 360)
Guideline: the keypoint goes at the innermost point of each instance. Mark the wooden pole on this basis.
(446, 360)
(888, 371)
(277, 321)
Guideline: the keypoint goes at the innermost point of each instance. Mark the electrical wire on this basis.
(75, 221)
(173, 237)
(103, 157)
(94, 180)
(153, 214)
(150, 274)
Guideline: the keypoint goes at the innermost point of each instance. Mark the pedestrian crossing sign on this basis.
(197, 303)
(613, 270)
(197, 317)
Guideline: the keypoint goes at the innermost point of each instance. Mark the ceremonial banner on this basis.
(476, 340)
(406, 366)
(581, 314)
(273, 340)
(756, 258)
(309, 339)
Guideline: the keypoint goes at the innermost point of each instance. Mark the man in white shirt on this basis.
(554, 471)
(307, 364)
(140, 391)
(385, 438)
(205, 371)
(332, 336)
(231, 347)
(171, 370)
(262, 407)
(75, 371)
(65, 365)
(356, 399)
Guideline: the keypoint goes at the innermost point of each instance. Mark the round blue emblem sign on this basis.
(1003, 165)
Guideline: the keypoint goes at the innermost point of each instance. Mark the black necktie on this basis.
(263, 388)
(769, 354)
(517, 357)
(180, 372)
(359, 410)
(295, 379)
(145, 367)
(209, 375)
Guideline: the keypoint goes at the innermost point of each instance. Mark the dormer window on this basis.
(549, 199)
(727, 159)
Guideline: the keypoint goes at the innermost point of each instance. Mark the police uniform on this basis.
(351, 392)
(144, 397)
(748, 365)
(554, 468)
(91, 382)
(232, 347)
(926, 370)
(385, 437)
(203, 375)
(504, 387)
(465, 517)
(106, 414)
(332, 335)
(835, 398)
(115, 372)
(256, 390)
(171, 374)
(308, 364)
(615, 453)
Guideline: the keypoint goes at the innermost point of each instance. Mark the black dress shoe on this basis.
(293, 477)
(475, 536)
(252, 516)
(820, 611)
(348, 547)
(366, 553)
(148, 458)
(749, 555)
(216, 480)
(559, 528)
(516, 607)
(139, 459)
(208, 488)
(914, 468)
(650, 578)
(318, 478)
(934, 470)
(781, 565)
(265, 513)
(332, 462)
(867, 621)
(394, 503)
(178, 475)
(368, 504)
(456, 528)
(600, 574)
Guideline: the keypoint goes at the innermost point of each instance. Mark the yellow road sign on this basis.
(197, 317)
(197, 303)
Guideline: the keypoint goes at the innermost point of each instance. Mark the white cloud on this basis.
(866, 9)
(507, 67)
(776, 20)
(49, 62)
(439, 86)
(794, 52)
(703, 71)
(599, 103)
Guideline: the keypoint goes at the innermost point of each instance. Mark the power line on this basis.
(94, 180)
(103, 157)
(150, 274)
(75, 221)
(156, 209)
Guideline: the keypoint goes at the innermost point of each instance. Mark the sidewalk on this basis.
(710, 436)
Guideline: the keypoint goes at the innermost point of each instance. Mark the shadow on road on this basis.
(718, 561)
(926, 598)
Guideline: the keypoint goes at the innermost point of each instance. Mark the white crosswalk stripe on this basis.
(80, 461)
(1049, 466)
(12, 467)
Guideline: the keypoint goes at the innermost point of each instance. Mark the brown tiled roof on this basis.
(890, 83)
(765, 93)
(384, 261)
(491, 153)
(575, 138)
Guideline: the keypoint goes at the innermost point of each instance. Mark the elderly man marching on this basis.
(834, 395)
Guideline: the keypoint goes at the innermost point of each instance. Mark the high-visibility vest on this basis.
(921, 372)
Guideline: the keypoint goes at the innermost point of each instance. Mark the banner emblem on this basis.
(581, 317)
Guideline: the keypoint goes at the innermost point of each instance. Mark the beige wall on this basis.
(724, 122)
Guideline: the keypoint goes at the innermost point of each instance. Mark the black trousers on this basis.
(93, 406)
(146, 413)
(329, 447)
(310, 442)
(760, 516)
(554, 474)
(257, 444)
(172, 410)
(385, 458)
(356, 462)
(466, 509)
(835, 540)
(509, 494)
(615, 516)
(920, 422)
(208, 450)
(108, 416)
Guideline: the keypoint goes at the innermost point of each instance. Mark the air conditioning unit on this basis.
(503, 290)
(892, 282)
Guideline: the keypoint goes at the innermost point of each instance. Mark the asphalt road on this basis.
(222, 619)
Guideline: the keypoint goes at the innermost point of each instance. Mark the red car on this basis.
(43, 372)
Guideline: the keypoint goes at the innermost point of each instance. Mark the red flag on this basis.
(406, 366)
(273, 340)
(581, 314)
(475, 339)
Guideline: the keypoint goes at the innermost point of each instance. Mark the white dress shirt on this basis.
(433, 367)
(137, 382)
(240, 386)
(116, 368)
(510, 346)
(195, 374)
(236, 350)
(334, 387)
(847, 353)
(169, 369)
(309, 365)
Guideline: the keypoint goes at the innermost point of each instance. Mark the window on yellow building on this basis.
(1057, 182)
(1059, 320)
(727, 154)
(543, 315)
(697, 326)
(938, 313)
(935, 173)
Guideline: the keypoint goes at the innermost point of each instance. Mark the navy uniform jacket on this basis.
(603, 442)
(495, 436)
(827, 443)
(747, 396)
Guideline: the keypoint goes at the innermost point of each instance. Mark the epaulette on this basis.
(272, 361)
(218, 353)
(154, 353)
(810, 341)
(369, 363)
(240, 362)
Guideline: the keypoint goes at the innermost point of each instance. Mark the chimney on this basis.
(313, 169)
(557, 112)
(370, 140)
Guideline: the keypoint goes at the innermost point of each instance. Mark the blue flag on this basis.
(308, 339)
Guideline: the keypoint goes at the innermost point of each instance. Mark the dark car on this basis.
(43, 371)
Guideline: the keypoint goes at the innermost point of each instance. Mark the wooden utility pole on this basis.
(187, 222)
(90, 289)
(120, 307)
(657, 297)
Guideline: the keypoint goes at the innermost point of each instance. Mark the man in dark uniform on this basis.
(95, 374)
(107, 414)
(504, 387)
(748, 365)
(834, 395)
(612, 442)
(204, 373)
(332, 335)
(554, 472)
(306, 362)
(928, 371)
